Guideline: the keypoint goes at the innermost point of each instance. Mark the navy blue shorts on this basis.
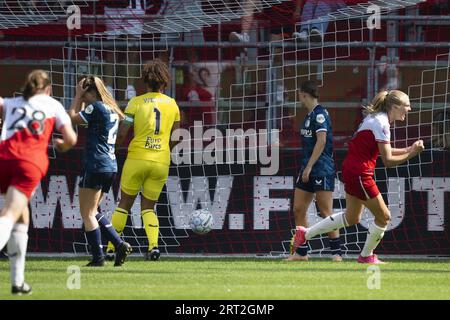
(97, 180)
(315, 183)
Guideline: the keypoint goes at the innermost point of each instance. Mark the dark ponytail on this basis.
(37, 80)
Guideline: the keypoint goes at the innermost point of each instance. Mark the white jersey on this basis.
(128, 18)
(28, 126)
(118, 19)
(363, 148)
(379, 125)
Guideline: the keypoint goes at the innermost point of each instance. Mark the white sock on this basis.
(331, 223)
(374, 236)
(17, 249)
(6, 226)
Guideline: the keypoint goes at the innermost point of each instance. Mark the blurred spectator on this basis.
(441, 130)
(289, 134)
(248, 6)
(313, 10)
(439, 7)
(413, 32)
(30, 7)
(123, 20)
(388, 74)
(282, 15)
(195, 91)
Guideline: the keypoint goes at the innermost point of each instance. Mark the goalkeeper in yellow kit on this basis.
(153, 116)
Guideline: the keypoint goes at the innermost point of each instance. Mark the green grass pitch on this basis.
(233, 278)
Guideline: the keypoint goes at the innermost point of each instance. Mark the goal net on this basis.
(17, 14)
(241, 150)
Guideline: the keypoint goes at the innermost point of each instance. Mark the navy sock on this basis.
(335, 246)
(94, 239)
(302, 250)
(108, 230)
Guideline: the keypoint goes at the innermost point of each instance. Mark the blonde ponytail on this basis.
(96, 84)
(107, 97)
(384, 101)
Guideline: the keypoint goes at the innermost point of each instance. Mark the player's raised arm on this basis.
(400, 151)
(77, 103)
(392, 159)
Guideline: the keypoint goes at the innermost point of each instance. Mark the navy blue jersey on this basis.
(316, 121)
(103, 124)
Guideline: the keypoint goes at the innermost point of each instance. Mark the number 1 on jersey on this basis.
(158, 120)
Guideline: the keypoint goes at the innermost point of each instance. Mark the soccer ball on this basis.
(201, 221)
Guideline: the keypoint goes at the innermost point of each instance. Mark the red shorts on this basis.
(362, 186)
(22, 175)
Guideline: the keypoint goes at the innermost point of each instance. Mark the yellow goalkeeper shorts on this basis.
(144, 175)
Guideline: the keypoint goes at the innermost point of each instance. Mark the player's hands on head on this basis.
(79, 91)
(417, 147)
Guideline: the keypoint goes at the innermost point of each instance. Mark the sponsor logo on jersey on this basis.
(320, 118)
(152, 143)
(89, 109)
(307, 123)
(306, 133)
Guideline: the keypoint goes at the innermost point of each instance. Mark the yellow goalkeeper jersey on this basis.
(152, 115)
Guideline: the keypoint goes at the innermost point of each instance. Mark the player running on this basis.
(102, 116)
(372, 138)
(153, 116)
(317, 173)
(28, 123)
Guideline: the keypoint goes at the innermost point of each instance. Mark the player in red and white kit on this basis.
(372, 139)
(28, 123)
